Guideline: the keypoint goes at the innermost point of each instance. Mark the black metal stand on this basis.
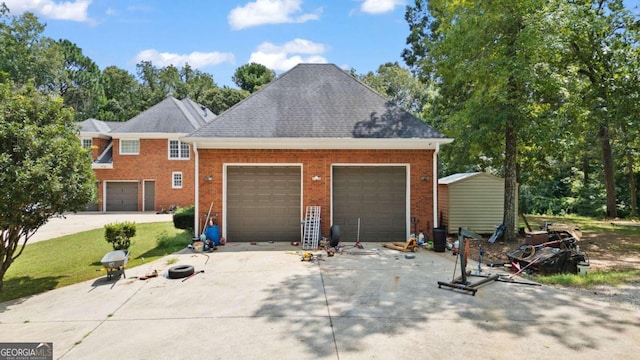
(461, 282)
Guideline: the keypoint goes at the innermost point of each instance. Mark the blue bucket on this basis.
(213, 234)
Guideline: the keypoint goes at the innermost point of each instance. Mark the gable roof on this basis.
(314, 102)
(168, 116)
(97, 128)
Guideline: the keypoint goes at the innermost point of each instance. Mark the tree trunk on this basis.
(607, 163)
(510, 182)
(632, 185)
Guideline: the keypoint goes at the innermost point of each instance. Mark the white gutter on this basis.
(196, 211)
(316, 143)
(435, 186)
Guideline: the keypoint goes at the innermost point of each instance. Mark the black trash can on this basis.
(439, 239)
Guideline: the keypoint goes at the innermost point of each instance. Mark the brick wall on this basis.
(98, 146)
(319, 162)
(151, 163)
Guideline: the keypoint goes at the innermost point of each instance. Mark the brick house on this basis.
(316, 136)
(141, 164)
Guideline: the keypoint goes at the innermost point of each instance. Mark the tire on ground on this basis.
(180, 271)
(334, 235)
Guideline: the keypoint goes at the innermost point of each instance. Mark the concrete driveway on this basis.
(262, 302)
(83, 221)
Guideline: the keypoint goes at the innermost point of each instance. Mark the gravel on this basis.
(626, 296)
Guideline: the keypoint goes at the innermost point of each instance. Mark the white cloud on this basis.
(195, 59)
(66, 10)
(380, 6)
(284, 57)
(262, 12)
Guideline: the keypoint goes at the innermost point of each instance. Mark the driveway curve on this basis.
(75, 223)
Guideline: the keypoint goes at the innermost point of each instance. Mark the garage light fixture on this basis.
(208, 178)
(316, 178)
(425, 178)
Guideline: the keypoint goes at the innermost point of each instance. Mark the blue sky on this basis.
(218, 36)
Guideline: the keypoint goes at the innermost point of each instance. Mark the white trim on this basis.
(435, 181)
(149, 135)
(173, 180)
(407, 201)
(180, 143)
(196, 192)
(144, 194)
(120, 147)
(94, 134)
(224, 186)
(104, 191)
(102, 165)
(316, 143)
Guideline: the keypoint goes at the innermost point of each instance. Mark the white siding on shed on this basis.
(474, 201)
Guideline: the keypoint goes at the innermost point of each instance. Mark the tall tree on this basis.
(399, 85)
(481, 55)
(24, 53)
(43, 168)
(78, 81)
(197, 83)
(122, 93)
(219, 100)
(251, 77)
(603, 38)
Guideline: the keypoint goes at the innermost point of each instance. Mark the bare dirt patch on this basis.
(615, 245)
(609, 245)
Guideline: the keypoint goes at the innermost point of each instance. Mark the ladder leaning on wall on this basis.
(311, 228)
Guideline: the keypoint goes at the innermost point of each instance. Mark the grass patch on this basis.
(586, 224)
(70, 259)
(611, 278)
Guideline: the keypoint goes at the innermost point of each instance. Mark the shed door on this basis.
(263, 203)
(376, 196)
(122, 196)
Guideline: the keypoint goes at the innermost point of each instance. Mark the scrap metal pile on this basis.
(553, 250)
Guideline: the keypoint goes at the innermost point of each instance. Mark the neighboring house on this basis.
(141, 164)
(317, 136)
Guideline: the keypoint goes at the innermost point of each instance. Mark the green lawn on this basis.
(74, 258)
(611, 278)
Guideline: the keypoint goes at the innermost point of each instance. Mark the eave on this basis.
(316, 143)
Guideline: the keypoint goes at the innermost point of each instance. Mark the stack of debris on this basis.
(550, 251)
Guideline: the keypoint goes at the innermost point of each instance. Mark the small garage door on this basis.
(122, 196)
(374, 194)
(263, 203)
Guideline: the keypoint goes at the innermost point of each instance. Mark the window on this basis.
(86, 143)
(177, 180)
(129, 147)
(178, 150)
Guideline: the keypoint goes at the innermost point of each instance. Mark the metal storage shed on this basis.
(474, 201)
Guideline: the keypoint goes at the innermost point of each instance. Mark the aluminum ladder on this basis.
(311, 234)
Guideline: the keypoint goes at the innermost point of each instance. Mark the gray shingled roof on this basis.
(168, 116)
(316, 101)
(94, 126)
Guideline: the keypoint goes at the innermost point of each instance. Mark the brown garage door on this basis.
(376, 195)
(263, 203)
(122, 196)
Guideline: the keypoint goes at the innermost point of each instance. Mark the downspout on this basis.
(196, 211)
(435, 186)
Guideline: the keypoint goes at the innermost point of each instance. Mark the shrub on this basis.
(120, 234)
(183, 218)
